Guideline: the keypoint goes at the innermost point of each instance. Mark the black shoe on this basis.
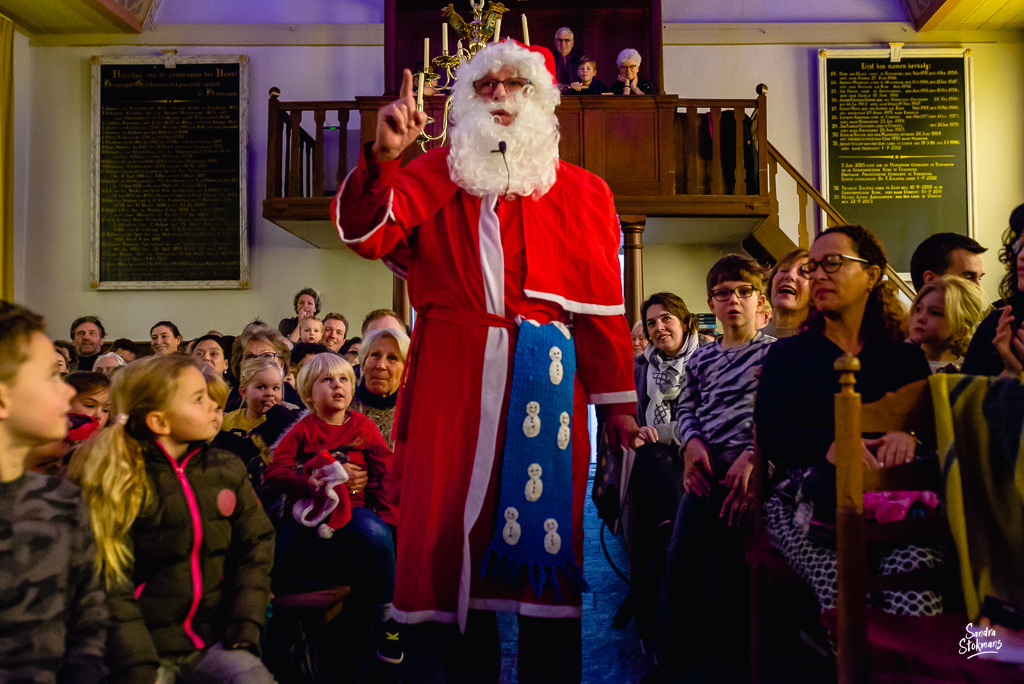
(389, 642)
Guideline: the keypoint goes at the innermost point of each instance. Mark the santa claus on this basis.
(509, 254)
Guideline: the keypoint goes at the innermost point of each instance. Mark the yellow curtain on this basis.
(6, 158)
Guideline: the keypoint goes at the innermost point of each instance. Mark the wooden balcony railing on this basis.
(661, 155)
(810, 207)
(295, 158)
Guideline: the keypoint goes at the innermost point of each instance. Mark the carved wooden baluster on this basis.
(274, 127)
(319, 116)
(741, 172)
(716, 152)
(850, 558)
(773, 191)
(692, 150)
(342, 145)
(307, 170)
(286, 157)
(762, 137)
(295, 159)
(633, 264)
(803, 238)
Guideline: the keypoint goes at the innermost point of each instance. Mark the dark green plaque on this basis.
(171, 179)
(897, 136)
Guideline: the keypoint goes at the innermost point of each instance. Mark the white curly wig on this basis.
(531, 140)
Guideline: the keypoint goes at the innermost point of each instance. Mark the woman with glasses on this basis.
(983, 357)
(853, 310)
(260, 343)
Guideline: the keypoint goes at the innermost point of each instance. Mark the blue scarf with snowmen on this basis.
(533, 533)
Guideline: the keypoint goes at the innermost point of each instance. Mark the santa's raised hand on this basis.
(398, 124)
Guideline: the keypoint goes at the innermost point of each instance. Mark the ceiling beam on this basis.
(117, 15)
(934, 13)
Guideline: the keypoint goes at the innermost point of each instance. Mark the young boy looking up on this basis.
(715, 414)
(52, 611)
(716, 405)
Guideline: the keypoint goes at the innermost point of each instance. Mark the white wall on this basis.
(53, 150)
(790, 71)
(56, 216)
(270, 12)
(702, 11)
(682, 269)
(22, 126)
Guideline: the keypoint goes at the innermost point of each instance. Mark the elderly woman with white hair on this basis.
(629, 72)
(108, 362)
(382, 360)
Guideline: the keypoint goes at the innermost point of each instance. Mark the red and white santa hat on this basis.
(331, 509)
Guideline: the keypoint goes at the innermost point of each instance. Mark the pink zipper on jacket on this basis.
(197, 542)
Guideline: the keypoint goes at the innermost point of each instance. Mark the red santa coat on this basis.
(473, 265)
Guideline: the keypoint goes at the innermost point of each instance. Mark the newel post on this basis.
(850, 553)
(632, 250)
(273, 145)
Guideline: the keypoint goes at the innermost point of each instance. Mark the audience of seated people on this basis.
(144, 430)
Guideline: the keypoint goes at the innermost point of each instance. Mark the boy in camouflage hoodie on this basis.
(53, 617)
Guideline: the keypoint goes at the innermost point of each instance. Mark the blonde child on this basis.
(942, 320)
(262, 386)
(364, 546)
(185, 548)
(311, 330)
(52, 611)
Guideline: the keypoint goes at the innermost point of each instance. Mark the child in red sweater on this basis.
(362, 551)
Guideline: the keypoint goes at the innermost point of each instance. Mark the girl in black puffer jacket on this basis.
(184, 546)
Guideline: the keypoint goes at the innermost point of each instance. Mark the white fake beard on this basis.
(531, 148)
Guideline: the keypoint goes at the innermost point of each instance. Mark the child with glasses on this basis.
(714, 413)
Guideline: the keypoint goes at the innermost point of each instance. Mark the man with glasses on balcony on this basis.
(567, 58)
(501, 243)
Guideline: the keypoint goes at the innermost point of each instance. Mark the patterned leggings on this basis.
(817, 565)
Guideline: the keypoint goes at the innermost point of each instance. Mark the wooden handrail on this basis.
(835, 218)
(295, 157)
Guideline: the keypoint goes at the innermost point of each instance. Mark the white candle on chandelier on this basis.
(526, 31)
(426, 55)
(444, 38)
(497, 30)
(419, 93)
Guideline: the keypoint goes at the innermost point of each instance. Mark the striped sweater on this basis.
(716, 403)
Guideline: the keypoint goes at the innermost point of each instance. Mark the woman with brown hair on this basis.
(788, 295)
(671, 332)
(854, 310)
